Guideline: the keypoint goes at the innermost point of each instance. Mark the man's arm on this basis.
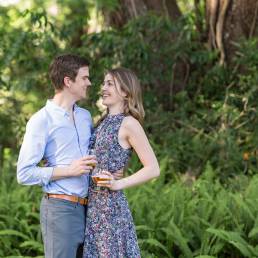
(31, 153)
(77, 168)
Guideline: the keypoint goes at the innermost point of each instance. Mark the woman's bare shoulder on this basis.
(132, 124)
(131, 121)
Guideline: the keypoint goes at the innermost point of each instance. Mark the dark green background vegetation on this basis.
(205, 135)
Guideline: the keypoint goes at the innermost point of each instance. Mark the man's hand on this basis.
(77, 168)
(81, 166)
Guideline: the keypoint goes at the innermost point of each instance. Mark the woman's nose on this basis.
(104, 86)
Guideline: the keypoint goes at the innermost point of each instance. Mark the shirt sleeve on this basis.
(32, 152)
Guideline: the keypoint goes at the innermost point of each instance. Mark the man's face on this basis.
(78, 87)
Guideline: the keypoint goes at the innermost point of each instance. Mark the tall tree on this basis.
(176, 70)
(229, 21)
(129, 9)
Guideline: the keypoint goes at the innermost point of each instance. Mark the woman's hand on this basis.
(109, 182)
(118, 174)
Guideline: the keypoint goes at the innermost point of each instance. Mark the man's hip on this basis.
(63, 225)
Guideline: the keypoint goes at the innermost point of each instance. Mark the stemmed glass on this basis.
(92, 152)
(97, 173)
(97, 177)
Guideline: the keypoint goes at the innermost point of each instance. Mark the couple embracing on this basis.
(81, 217)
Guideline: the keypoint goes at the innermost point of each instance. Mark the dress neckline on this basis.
(115, 115)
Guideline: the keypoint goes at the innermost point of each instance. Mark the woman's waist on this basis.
(94, 189)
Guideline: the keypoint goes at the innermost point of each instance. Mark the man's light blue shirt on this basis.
(51, 135)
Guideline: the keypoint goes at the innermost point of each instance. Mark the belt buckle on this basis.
(82, 201)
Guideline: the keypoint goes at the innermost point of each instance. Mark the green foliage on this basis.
(204, 219)
(19, 220)
(216, 109)
(205, 135)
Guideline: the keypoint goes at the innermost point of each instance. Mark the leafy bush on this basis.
(19, 215)
(175, 219)
(205, 219)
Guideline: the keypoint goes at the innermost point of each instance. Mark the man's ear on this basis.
(67, 81)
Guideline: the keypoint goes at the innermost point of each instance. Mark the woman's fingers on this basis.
(107, 173)
(106, 179)
(104, 184)
(119, 174)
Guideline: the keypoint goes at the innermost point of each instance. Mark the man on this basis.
(60, 133)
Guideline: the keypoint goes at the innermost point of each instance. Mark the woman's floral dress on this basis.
(110, 231)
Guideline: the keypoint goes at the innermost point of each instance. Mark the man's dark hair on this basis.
(65, 65)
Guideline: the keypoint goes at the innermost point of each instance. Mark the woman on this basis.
(110, 230)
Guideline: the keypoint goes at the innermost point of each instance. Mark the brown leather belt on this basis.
(71, 198)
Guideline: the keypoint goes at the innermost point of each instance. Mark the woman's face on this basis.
(111, 92)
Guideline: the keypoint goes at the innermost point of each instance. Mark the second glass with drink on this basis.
(97, 173)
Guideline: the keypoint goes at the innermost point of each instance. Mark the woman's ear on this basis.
(123, 94)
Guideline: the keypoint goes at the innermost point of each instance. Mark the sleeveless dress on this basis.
(110, 230)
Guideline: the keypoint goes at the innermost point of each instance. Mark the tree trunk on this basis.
(229, 21)
(129, 9)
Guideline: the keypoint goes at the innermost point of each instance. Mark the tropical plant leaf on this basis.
(156, 243)
(12, 232)
(32, 245)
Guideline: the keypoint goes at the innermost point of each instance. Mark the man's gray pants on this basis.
(63, 227)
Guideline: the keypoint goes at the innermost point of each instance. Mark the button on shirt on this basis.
(53, 136)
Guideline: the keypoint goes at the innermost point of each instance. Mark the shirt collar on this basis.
(75, 108)
(51, 106)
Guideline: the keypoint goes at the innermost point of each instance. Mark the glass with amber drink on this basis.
(97, 176)
(92, 152)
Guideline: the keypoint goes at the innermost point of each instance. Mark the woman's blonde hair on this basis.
(130, 85)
